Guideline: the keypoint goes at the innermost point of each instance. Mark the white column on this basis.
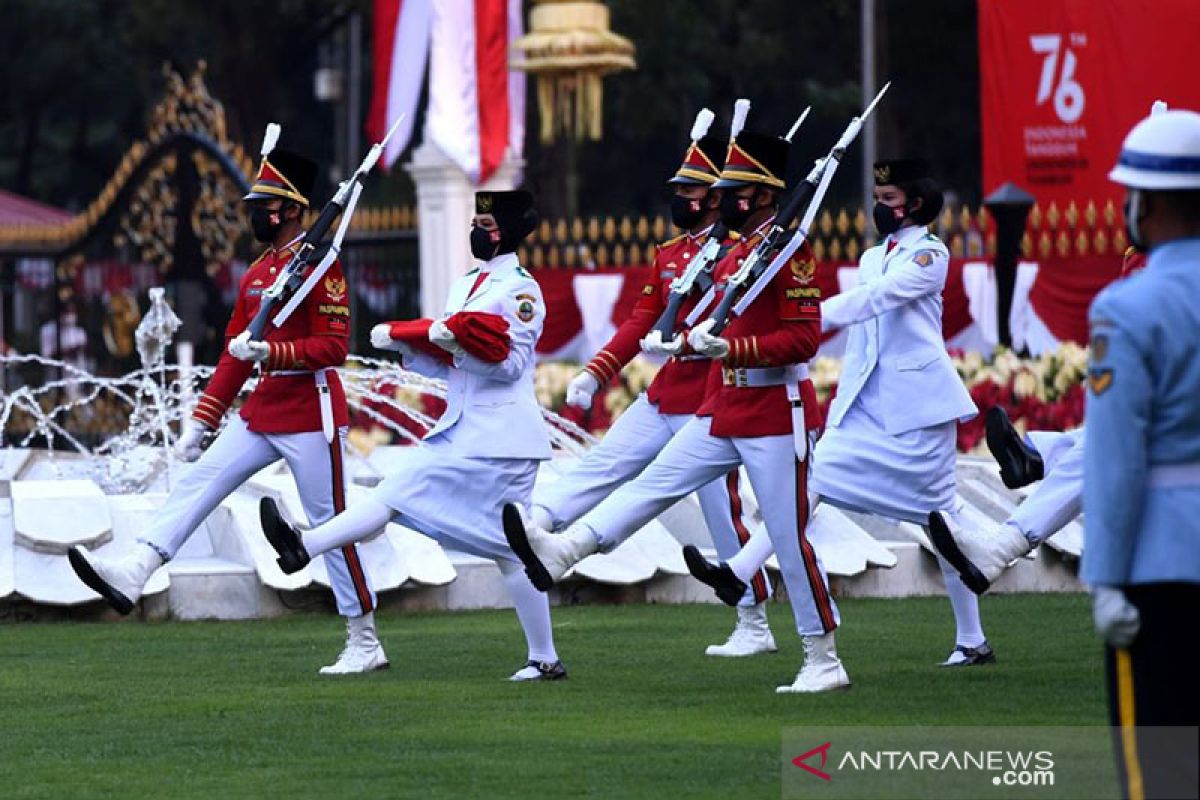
(445, 205)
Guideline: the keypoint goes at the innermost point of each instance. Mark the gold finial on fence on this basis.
(825, 222)
(1052, 216)
(1090, 214)
(1082, 243)
(1035, 217)
(1062, 244)
(1110, 213)
(1045, 245)
(1101, 243)
(842, 223)
(1072, 215)
(625, 228)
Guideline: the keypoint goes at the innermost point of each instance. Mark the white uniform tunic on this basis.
(889, 442)
(483, 451)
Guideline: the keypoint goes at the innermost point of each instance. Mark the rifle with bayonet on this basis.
(295, 280)
(780, 244)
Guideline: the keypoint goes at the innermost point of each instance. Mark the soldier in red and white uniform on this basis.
(757, 412)
(297, 412)
(669, 402)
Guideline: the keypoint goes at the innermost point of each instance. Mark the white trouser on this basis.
(1058, 499)
(630, 444)
(236, 455)
(693, 458)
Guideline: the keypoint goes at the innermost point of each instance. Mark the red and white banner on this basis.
(476, 109)
(1063, 81)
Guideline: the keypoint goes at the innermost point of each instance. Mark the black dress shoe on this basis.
(720, 577)
(963, 656)
(518, 540)
(1020, 464)
(283, 537)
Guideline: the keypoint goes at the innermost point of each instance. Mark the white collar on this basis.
(906, 236)
(499, 264)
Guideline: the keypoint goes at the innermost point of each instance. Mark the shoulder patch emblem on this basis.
(526, 305)
(804, 270)
(1099, 381)
(1099, 346)
(335, 288)
(924, 258)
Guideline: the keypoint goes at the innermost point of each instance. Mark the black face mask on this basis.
(483, 245)
(686, 212)
(885, 218)
(736, 210)
(260, 222)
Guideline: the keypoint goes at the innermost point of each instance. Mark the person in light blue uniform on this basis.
(1141, 493)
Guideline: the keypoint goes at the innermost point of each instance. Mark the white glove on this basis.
(705, 343)
(381, 337)
(581, 388)
(653, 344)
(443, 337)
(243, 349)
(1117, 619)
(190, 443)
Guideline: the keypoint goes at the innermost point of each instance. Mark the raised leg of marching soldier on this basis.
(981, 556)
(691, 459)
(637, 437)
(456, 501)
(233, 458)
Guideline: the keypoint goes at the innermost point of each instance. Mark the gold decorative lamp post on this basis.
(569, 49)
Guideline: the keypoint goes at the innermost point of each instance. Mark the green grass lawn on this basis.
(221, 710)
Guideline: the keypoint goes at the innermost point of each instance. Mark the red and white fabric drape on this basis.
(476, 110)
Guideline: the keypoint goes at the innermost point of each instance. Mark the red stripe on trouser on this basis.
(759, 582)
(816, 582)
(350, 552)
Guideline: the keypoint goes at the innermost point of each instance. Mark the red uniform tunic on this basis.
(679, 385)
(781, 327)
(315, 336)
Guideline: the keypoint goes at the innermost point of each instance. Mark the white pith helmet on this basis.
(1162, 152)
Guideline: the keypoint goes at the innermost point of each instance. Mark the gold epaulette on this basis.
(671, 241)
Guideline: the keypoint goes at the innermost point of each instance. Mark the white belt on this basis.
(1173, 476)
(690, 357)
(325, 402)
(268, 373)
(758, 377)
